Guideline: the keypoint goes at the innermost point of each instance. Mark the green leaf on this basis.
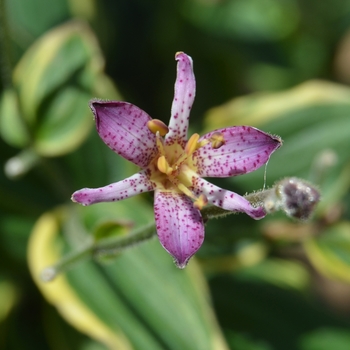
(65, 123)
(85, 9)
(330, 252)
(107, 230)
(141, 301)
(280, 317)
(30, 19)
(52, 61)
(55, 80)
(325, 339)
(239, 341)
(282, 273)
(111, 229)
(310, 118)
(258, 109)
(12, 126)
(8, 298)
(247, 19)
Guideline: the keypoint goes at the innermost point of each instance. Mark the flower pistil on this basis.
(176, 167)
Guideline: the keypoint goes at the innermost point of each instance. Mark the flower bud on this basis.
(296, 197)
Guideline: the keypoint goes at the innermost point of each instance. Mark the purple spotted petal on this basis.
(246, 149)
(185, 90)
(123, 128)
(179, 225)
(226, 199)
(126, 188)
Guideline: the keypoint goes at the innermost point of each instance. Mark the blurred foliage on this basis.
(279, 65)
(115, 309)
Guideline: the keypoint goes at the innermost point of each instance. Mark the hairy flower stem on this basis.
(110, 246)
(115, 245)
(297, 198)
(67, 262)
(255, 198)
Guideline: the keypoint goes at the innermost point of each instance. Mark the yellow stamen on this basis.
(163, 166)
(201, 202)
(186, 191)
(191, 145)
(156, 125)
(217, 140)
(160, 143)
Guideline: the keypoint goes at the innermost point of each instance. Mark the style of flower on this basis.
(173, 166)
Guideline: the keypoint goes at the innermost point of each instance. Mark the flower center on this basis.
(173, 168)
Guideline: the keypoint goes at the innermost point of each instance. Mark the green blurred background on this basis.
(279, 65)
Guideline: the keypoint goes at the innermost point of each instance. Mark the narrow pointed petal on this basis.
(179, 225)
(185, 90)
(226, 199)
(245, 149)
(123, 128)
(117, 191)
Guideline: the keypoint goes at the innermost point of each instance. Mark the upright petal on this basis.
(117, 191)
(185, 90)
(226, 199)
(123, 128)
(179, 225)
(245, 149)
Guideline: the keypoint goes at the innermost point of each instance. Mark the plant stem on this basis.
(68, 261)
(120, 243)
(112, 245)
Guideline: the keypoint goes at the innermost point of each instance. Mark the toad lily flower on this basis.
(174, 166)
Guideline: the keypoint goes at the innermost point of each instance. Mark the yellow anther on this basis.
(191, 145)
(178, 53)
(156, 125)
(163, 166)
(201, 202)
(217, 140)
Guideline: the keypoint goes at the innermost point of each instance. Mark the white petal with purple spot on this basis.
(245, 149)
(185, 90)
(226, 199)
(123, 128)
(133, 185)
(179, 225)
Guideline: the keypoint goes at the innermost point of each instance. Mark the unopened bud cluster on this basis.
(296, 197)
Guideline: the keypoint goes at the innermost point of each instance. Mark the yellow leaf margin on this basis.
(43, 251)
(261, 107)
(325, 260)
